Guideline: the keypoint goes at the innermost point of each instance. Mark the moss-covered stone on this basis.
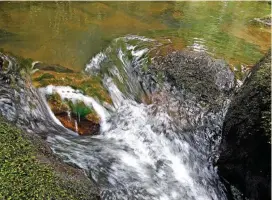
(245, 159)
(26, 173)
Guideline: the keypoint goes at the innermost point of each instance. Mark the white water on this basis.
(143, 152)
(76, 126)
(68, 93)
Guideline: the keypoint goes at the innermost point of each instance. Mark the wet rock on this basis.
(74, 116)
(196, 73)
(245, 159)
(194, 89)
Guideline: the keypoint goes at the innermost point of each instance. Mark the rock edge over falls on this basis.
(192, 83)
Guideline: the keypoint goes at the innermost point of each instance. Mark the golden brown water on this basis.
(70, 33)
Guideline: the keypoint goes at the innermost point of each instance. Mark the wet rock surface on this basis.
(245, 159)
(197, 73)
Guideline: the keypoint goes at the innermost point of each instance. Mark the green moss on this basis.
(55, 97)
(21, 175)
(79, 108)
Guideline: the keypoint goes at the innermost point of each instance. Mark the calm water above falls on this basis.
(70, 33)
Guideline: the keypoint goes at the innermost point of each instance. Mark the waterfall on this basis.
(76, 126)
(69, 115)
(160, 151)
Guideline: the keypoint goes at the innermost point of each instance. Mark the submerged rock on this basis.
(245, 159)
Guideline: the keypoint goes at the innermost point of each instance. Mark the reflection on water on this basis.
(70, 33)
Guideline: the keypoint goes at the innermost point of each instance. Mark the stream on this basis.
(160, 150)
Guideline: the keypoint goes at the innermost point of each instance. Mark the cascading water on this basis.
(160, 151)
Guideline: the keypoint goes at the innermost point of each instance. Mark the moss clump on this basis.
(21, 175)
(56, 103)
(80, 109)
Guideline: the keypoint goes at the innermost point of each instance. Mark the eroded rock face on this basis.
(245, 159)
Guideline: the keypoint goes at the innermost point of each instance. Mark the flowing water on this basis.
(143, 150)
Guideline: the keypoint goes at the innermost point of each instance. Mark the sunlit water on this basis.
(70, 33)
(143, 152)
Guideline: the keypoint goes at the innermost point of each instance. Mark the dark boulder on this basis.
(245, 158)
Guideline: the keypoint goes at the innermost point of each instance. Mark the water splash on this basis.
(76, 126)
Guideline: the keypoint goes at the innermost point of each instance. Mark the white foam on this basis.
(95, 61)
(68, 93)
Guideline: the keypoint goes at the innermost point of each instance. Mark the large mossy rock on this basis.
(245, 159)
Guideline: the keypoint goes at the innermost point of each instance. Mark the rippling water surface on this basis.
(70, 33)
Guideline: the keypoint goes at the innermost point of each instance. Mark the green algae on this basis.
(22, 176)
